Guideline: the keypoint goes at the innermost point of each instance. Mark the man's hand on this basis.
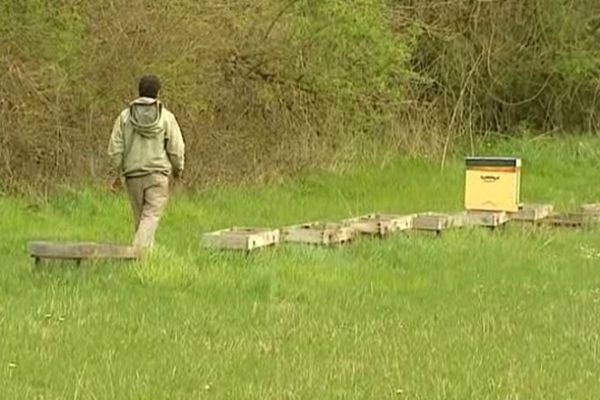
(115, 184)
(178, 175)
(177, 180)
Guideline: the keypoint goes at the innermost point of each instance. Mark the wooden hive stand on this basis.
(380, 224)
(438, 222)
(244, 239)
(569, 220)
(591, 211)
(588, 215)
(317, 233)
(79, 251)
(532, 213)
(490, 219)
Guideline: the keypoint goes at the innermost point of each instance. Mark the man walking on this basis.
(145, 148)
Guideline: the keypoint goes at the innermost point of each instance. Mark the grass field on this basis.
(513, 314)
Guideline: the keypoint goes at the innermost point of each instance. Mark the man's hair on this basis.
(149, 86)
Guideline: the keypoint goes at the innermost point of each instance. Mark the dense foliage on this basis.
(275, 86)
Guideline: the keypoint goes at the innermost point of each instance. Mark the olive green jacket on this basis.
(146, 139)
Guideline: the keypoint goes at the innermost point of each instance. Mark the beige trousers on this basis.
(148, 196)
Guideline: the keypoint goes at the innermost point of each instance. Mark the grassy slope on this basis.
(512, 314)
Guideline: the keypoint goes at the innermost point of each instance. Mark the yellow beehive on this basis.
(493, 184)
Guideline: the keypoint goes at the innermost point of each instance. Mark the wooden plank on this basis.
(380, 224)
(238, 238)
(492, 219)
(80, 251)
(532, 212)
(319, 233)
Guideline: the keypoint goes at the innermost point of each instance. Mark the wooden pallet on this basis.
(438, 222)
(246, 239)
(491, 219)
(80, 251)
(532, 212)
(380, 224)
(319, 234)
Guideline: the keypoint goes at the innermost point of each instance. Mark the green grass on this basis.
(475, 314)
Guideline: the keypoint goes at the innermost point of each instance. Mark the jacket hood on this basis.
(145, 116)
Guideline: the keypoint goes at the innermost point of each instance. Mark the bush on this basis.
(273, 87)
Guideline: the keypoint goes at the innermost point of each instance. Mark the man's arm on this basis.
(116, 148)
(175, 147)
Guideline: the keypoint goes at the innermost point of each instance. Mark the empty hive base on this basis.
(490, 219)
(319, 234)
(591, 211)
(573, 220)
(246, 239)
(80, 251)
(380, 224)
(438, 222)
(532, 212)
